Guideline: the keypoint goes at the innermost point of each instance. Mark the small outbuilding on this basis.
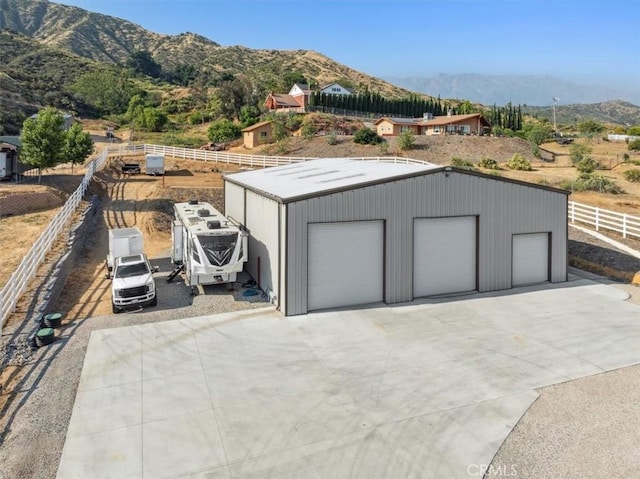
(257, 134)
(343, 232)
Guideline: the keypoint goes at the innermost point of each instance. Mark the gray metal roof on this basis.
(325, 175)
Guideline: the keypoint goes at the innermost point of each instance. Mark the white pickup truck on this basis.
(132, 283)
(131, 274)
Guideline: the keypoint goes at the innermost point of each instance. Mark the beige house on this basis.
(470, 124)
(257, 134)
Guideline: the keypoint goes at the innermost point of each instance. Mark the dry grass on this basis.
(602, 270)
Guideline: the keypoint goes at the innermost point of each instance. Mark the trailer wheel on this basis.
(44, 337)
(114, 308)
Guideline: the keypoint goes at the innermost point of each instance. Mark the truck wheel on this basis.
(114, 308)
(154, 301)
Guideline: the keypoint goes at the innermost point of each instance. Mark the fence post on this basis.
(624, 225)
(597, 219)
(572, 213)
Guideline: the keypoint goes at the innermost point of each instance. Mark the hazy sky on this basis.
(585, 41)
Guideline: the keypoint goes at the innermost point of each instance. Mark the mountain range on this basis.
(46, 46)
(532, 90)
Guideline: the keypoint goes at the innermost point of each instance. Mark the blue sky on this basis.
(585, 41)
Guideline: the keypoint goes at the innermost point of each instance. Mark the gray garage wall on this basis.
(503, 208)
(263, 227)
(234, 201)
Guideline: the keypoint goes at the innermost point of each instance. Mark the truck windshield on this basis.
(219, 248)
(130, 270)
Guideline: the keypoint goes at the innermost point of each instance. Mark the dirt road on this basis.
(135, 200)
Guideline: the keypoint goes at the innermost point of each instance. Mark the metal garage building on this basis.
(341, 232)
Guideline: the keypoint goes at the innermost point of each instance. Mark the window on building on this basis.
(263, 134)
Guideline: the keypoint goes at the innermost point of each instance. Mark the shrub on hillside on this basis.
(366, 136)
(461, 163)
(592, 182)
(488, 163)
(332, 138)
(519, 162)
(309, 131)
(632, 175)
(634, 145)
(587, 165)
(406, 140)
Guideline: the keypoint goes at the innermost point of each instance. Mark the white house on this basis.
(336, 89)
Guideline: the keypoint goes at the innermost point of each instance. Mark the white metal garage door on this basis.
(345, 264)
(444, 255)
(530, 259)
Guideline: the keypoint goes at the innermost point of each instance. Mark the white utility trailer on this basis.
(154, 165)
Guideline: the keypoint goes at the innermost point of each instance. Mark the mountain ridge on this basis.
(534, 90)
(70, 40)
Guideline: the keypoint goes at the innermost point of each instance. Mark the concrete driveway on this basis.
(424, 390)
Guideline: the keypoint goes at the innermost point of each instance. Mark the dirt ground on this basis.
(142, 201)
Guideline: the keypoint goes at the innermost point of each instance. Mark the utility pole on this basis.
(555, 126)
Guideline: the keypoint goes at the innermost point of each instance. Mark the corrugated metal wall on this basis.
(263, 228)
(503, 208)
(234, 202)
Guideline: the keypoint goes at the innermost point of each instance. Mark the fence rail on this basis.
(257, 161)
(601, 219)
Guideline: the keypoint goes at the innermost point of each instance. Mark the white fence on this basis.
(612, 137)
(257, 161)
(627, 225)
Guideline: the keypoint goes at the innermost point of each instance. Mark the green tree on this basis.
(141, 62)
(108, 90)
(579, 152)
(78, 145)
(43, 140)
(278, 129)
(290, 79)
(249, 115)
(537, 133)
(590, 128)
(223, 130)
(233, 95)
(135, 107)
(153, 119)
(633, 131)
(406, 140)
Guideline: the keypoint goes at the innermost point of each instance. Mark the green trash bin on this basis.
(53, 320)
(44, 336)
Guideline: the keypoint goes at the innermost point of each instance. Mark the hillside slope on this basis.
(108, 39)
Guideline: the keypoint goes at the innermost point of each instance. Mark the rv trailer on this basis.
(209, 247)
